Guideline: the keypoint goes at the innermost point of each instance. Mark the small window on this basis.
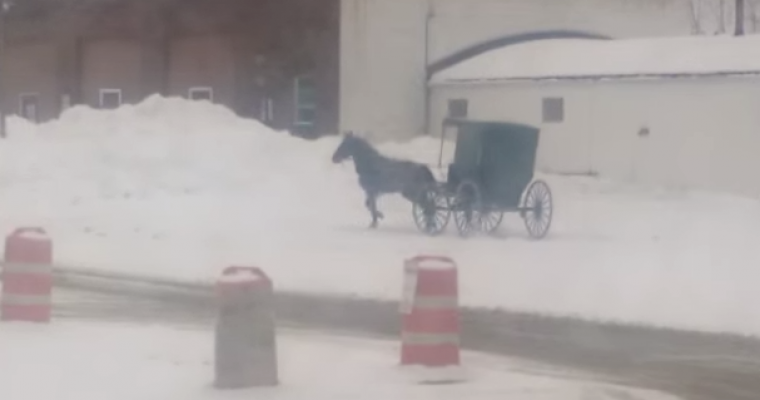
(266, 110)
(305, 101)
(28, 104)
(553, 109)
(65, 102)
(458, 108)
(110, 98)
(201, 93)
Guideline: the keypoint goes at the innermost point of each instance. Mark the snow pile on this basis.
(159, 147)
(625, 57)
(180, 190)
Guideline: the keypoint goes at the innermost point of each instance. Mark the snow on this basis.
(241, 276)
(32, 234)
(565, 58)
(180, 190)
(433, 263)
(125, 361)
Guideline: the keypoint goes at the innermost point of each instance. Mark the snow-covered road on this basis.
(73, 359)
(694, 367)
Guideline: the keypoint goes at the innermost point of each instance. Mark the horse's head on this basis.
(346, 148)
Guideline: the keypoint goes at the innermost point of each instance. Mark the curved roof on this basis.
(578, 58)
(508, 40)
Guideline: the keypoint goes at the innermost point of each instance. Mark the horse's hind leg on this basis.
(371, 204)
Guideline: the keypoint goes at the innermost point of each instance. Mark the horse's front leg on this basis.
(371, 204)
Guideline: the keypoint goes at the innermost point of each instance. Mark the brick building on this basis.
(274, 60)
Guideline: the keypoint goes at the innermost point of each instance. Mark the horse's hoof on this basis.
(373, 225)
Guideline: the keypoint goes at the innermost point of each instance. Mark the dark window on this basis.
(553, 109)
(110, 98)
(305, 101)
(458, 108)
(28, 106)
(201, 93)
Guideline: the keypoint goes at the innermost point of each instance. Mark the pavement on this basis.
(693, 366)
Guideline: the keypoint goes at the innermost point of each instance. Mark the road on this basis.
(694, 367)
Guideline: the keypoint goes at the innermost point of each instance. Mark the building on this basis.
(388, 45)
(679, 112)
(310, 66)
(275, 60)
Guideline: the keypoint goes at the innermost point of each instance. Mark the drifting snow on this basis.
(180, 190)
(131, 362)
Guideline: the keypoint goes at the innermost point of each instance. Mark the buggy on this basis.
(491, 174)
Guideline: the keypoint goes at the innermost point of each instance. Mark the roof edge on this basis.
(565, 78)
(509, 40)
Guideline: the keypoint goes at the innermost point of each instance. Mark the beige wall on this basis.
(383, 45)
(692, 142)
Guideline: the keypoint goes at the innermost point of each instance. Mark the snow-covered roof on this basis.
(581, 58)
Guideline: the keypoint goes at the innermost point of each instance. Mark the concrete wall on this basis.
(384, 45)
(703, 133)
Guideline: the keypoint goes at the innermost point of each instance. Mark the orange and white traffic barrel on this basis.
(430, 312)
(27, 276)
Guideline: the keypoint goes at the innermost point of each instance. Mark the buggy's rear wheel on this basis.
(538, 209)
(431, 210)
(466, 206)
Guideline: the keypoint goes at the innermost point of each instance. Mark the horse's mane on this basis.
(368, 147)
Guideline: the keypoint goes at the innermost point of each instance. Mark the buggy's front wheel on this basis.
(431, 210)
(538, 209)
(466, 206)
(490, 221)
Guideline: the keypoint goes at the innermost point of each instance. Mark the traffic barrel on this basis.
(245, 345)
(27, 275)
(430, 312)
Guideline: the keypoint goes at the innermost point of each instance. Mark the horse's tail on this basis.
(427, 174)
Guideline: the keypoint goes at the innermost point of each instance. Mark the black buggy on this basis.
(492, 173)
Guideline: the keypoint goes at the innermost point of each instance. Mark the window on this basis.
(201, 93)
(65, 102)
(28, 104)
(305, 101)
(266, 110)
(553, 109)
(458, 108)
(110, 98)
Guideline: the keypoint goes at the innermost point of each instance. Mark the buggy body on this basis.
(492, 173)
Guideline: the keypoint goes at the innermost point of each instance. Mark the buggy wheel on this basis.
(466, 207)
(431, 211)
(538, 209)
(490, 221)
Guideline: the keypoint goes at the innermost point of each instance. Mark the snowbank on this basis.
(180, 190)
(597, 58)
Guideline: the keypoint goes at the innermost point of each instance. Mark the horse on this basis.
(380, 175)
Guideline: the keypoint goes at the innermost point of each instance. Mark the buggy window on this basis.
(468, 151)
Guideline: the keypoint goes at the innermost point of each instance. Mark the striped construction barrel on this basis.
(430, 312)
(27, 276)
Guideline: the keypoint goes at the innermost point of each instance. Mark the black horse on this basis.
(382, 175)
